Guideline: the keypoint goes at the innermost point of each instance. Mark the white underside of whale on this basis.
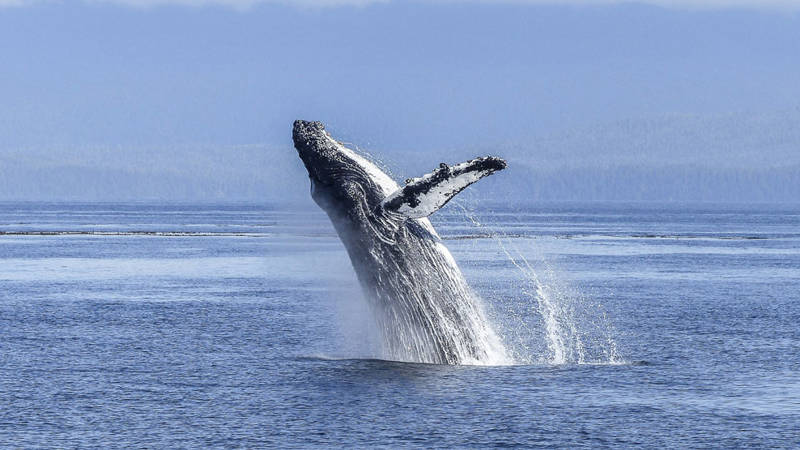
(387, 185)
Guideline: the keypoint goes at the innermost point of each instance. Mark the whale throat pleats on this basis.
(423, 196)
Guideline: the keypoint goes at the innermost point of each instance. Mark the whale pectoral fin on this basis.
(421, 197)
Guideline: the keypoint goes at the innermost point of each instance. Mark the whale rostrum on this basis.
(423, 306)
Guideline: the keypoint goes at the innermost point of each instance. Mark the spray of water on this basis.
(572, 329)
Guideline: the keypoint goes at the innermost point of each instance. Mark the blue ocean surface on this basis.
(177, 325)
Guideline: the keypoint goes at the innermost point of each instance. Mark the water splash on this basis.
(572, 328)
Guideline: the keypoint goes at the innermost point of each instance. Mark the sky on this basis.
(588, 100)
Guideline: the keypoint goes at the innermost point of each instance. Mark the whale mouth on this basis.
(316, 185)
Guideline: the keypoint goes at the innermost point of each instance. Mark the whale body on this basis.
(421, 301)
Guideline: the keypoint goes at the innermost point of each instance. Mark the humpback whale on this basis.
(421, 301)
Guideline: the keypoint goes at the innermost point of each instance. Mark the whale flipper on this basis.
(423, 196)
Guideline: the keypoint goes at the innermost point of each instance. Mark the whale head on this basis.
(341, 180)
(345, 184)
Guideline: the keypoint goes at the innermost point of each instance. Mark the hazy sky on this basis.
(577, 82)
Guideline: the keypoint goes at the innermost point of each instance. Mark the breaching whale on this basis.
(421, 302)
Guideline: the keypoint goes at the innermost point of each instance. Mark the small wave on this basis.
(453, 237)
(611, 363)
(374, 360)
(457, 237)
(511, 364)
(680, 236)
(364, 360)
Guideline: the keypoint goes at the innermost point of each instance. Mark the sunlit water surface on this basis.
(184, 326)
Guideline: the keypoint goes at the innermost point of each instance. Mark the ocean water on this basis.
(147, 325)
